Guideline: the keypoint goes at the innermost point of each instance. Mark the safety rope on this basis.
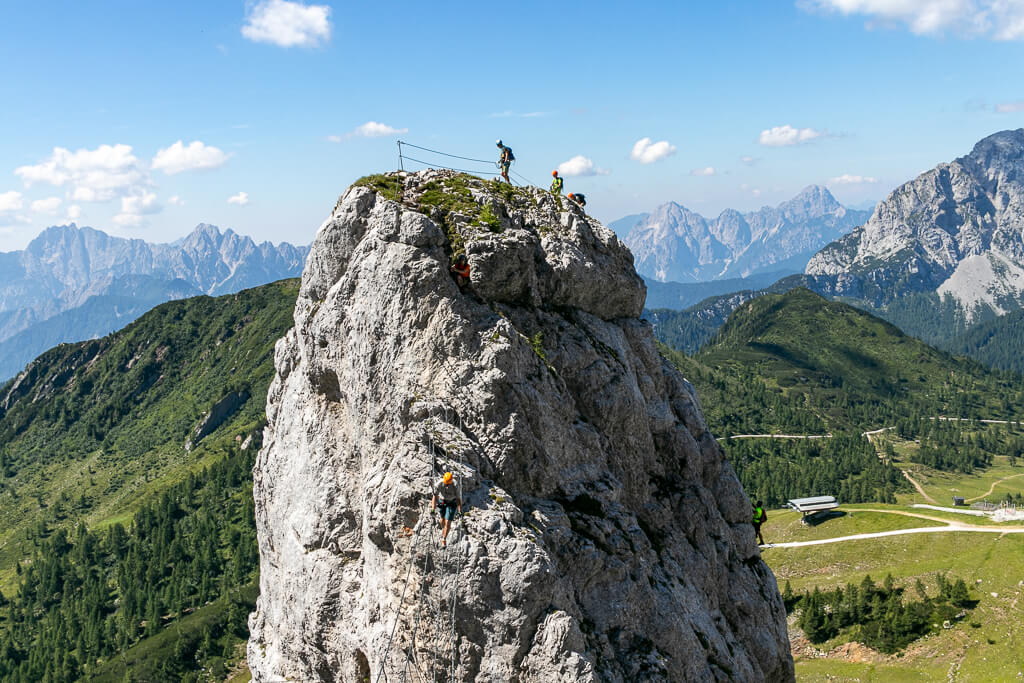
(411, 655)
(447, 168)
(443, 568)
(444, 154)
(402, 157)
(401, 601)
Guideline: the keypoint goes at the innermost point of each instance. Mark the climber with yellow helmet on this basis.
(446, 496)
(556, 184)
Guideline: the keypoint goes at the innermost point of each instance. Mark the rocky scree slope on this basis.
(605, 538)
(955, 230)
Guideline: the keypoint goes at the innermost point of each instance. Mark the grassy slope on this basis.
(96, 429)
(837, 368)
(994, 650)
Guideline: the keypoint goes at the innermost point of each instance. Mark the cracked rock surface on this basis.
(605, 537)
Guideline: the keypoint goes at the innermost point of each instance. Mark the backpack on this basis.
(511, 156)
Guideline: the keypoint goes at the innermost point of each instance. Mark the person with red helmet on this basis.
(556, 184)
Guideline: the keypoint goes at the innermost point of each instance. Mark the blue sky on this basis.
(144, 119)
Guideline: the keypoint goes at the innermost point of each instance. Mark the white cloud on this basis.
(580, 165)
(784, 136)
(195, 156)
(334, 138)
(1009, 107)
(11, 201)
(647, 152)
(176, 201)
(242, 198)
(749, 161)
(48, 206)
(707, 170)
(135, 207)
(74, 212)
(288, 24)
(94, 175)
(848, 179)
(997, 19)
(372, 129)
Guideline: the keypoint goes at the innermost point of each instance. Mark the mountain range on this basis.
(673, 243)
(956, 230)
(940, 256)
(73, 283)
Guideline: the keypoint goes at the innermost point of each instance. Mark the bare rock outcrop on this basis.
(605, 537)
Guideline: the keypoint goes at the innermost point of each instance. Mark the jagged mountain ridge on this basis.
(103, 282)
(673, 243)
(606, 537)
(956, 230)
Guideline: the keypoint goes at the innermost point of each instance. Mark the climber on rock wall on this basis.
(460, 269)
(446, 497)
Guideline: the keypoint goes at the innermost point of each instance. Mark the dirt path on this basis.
(906, 475)
(901, 532)
(875, 431)
(919, 515)
(779, 436)
(949, 526)
(993, 487)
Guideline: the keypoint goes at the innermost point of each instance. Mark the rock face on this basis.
(957, 229)
(673, 243)
(605, 538)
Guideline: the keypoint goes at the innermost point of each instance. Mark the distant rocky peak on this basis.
(812, 201)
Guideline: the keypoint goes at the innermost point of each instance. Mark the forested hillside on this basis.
(798, 364)
(129, 541)
(998, 343)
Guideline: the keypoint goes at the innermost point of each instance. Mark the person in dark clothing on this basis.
(578, 198)
(505, 160)
(446, 497)
(460, 269)
(760, 517)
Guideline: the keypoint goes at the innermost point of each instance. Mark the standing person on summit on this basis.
(505, 160)
(556, 184)
(446, 494)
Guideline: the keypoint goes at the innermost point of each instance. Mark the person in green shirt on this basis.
(760, 517)
(556, 184)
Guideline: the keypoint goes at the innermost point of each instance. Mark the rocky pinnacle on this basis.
(605, 536)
